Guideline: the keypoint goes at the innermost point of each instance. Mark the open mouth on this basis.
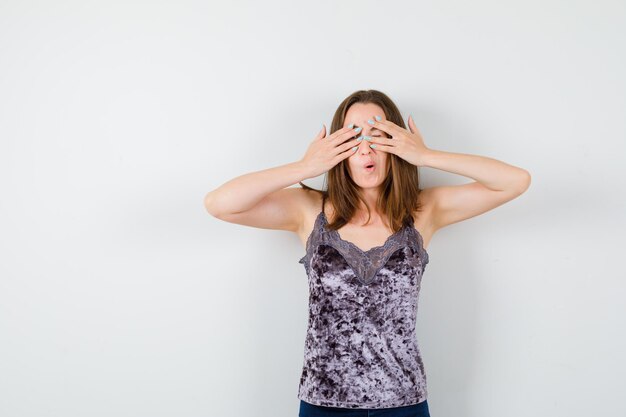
(370, 167)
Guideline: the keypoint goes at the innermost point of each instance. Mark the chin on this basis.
(368, 184)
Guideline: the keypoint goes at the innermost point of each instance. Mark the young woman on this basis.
(365, 239)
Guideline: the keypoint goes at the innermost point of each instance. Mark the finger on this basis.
(387, 126)
(345, 134)
(417, 132)
(383, 140)
(338, 133)
(349, 145)
(347, 153)
(322, 133)
(384, 148)
(412, 126)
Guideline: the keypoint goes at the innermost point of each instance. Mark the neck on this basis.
(370, 197)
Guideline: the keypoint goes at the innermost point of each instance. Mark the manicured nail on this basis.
(379, 118)
(367, 138)
(358, 129)
(359, 139)
(372, 145)
(351, 125)
(370, 121)
(355, 148)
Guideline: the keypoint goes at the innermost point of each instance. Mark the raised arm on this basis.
(260, 199)
(496, 183)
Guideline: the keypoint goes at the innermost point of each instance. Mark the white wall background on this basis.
(120, 296)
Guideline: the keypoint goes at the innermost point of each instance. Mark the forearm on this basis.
(244, 192)
(494, 174)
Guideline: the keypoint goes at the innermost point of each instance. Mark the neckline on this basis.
(388, 241)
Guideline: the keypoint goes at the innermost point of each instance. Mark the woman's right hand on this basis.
(325, 152)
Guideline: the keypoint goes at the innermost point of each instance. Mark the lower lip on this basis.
(370, 169)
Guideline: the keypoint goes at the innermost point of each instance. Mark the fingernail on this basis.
(379, 118)
(370, 121)
(355, 148)
(358, 129)
(372, 145)
(359, 139)
(351, 125)
(367, 138)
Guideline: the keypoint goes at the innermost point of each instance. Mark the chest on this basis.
(365, 237)
(397, 264)
(329, 254)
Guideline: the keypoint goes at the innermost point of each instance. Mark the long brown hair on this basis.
(398, 198)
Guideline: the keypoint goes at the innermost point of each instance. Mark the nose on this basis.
(364, 147)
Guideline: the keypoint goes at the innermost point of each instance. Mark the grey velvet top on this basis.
(361, 349)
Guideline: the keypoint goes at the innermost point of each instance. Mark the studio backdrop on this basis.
(121, 296)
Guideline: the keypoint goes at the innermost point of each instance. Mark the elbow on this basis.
(209, 206)
(524, 182)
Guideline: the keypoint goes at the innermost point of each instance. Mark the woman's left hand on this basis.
(407, 145)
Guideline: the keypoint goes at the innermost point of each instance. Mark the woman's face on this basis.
(359, 114)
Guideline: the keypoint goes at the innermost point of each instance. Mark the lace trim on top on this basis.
(365, 264)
